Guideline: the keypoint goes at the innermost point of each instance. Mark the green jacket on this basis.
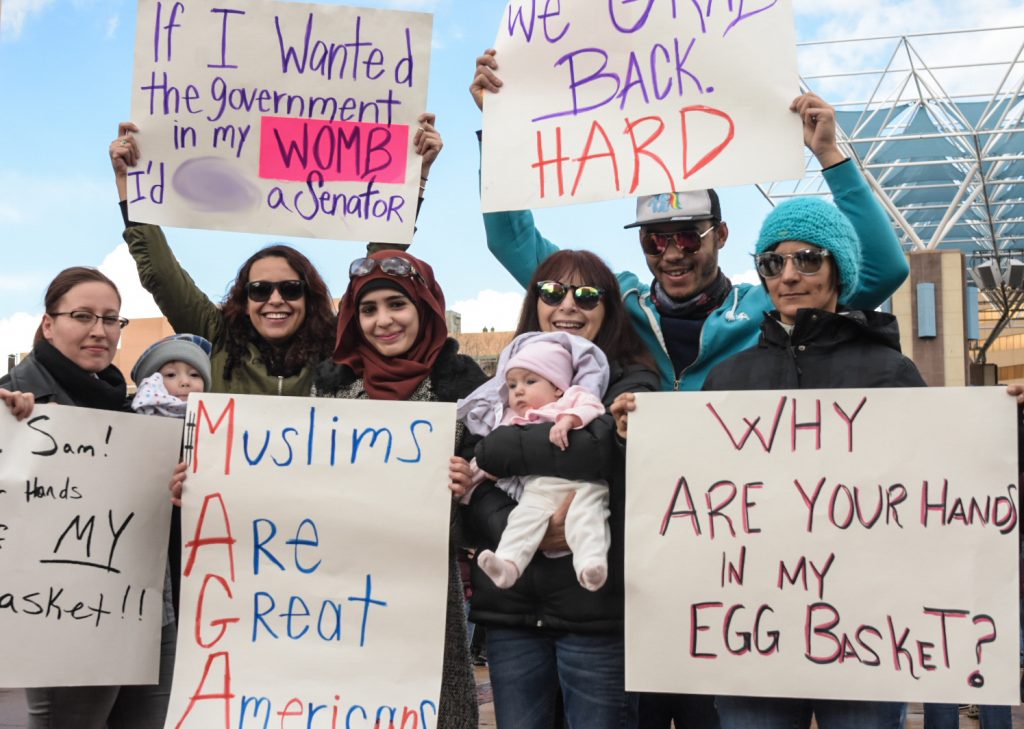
(190, 311)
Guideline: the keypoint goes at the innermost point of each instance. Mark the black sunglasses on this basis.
(393, 266)
(687, 241)
(260, 291)
(807, 261)
(586, 297)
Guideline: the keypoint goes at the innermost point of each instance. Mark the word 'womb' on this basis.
(306, 443)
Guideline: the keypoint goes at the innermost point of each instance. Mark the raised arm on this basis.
(884, 267)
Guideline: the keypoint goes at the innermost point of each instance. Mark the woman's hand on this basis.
(19, 403)
(428, 142)
(460, 477)
(1016, 391)
(124, 153)
(622, 406)
(819, 120)
(485, 78)
(554, 537)
(177, 484)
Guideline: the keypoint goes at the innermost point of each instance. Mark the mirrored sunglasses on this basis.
(391, 266)
(807, 262)
(687, 241)
(260, 291)
(586, 297)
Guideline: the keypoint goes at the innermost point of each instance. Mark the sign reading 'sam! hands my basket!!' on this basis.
(279, 117)
(314, 563)
(604, 100)
(84, 521)
(841, 544)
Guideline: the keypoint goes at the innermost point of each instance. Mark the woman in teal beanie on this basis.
(808, 260)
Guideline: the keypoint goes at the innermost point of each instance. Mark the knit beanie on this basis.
(189, 348)
(550, 360)
(812, 220)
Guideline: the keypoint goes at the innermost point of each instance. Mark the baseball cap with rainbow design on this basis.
(672, 207)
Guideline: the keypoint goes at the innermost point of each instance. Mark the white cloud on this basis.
(496, 309)
(16, 333)
(112, 23)
(749, 276)
(14, 14)
(136, 302)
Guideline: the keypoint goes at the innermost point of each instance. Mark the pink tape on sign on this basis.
(347, 151)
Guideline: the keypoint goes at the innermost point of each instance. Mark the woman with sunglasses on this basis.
(277, 321)
(547, 636)
(70, 364)
(393, 344)
(809, 261)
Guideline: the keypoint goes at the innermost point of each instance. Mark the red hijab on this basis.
(393, 378)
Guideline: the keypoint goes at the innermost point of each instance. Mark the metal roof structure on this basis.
(936, 123)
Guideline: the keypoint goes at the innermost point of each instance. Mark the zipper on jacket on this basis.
(280, 384)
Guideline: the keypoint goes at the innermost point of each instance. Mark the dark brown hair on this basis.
(314, 340)
(617, 338)
(66, 280)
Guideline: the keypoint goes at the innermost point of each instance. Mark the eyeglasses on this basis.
(687, 241)
(391, 266)
(807, 262)
(586, 297)
(88, 319)
(260, 291)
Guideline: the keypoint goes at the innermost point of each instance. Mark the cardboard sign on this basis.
(610, 100)
(841, 544)
(84, 522)
(315, 562)
(279, 117)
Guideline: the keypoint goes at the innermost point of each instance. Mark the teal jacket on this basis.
(517, 244)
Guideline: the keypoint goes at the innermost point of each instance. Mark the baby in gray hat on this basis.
(168, 371)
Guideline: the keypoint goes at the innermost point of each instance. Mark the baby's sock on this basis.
(503, 572)
(593, 577)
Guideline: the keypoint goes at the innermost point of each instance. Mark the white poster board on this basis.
(84, 523)
(844, 544)
(608, 100)
(279, 117)
(315, 562)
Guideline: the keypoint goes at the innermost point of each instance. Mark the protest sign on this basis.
(842, 544)
(84, 522)
(610, 100)
(278, 117)
(315, 562)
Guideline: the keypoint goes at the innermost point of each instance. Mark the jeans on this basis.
(947, 716)
(527, 667)
(106, 707)
(748, 712)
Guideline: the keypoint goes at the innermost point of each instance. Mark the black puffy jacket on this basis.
(548, 594)
(825, 350)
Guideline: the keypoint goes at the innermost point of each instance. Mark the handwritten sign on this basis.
(315, 562)
(842, 544)
(278, 117)
(84, 523)
(610, 100)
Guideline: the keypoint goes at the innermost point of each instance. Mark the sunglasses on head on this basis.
(687, 241)
(260, 291)
(394, 266)
(807, 262)
(586, 297)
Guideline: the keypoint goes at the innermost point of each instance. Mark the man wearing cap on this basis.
(691, 316)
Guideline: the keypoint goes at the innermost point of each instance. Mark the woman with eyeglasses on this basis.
(807, 256)
(275, 324)
(550, 640)
(70, 364)
(393, 344)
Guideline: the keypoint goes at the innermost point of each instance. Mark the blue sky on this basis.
(65, 75)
